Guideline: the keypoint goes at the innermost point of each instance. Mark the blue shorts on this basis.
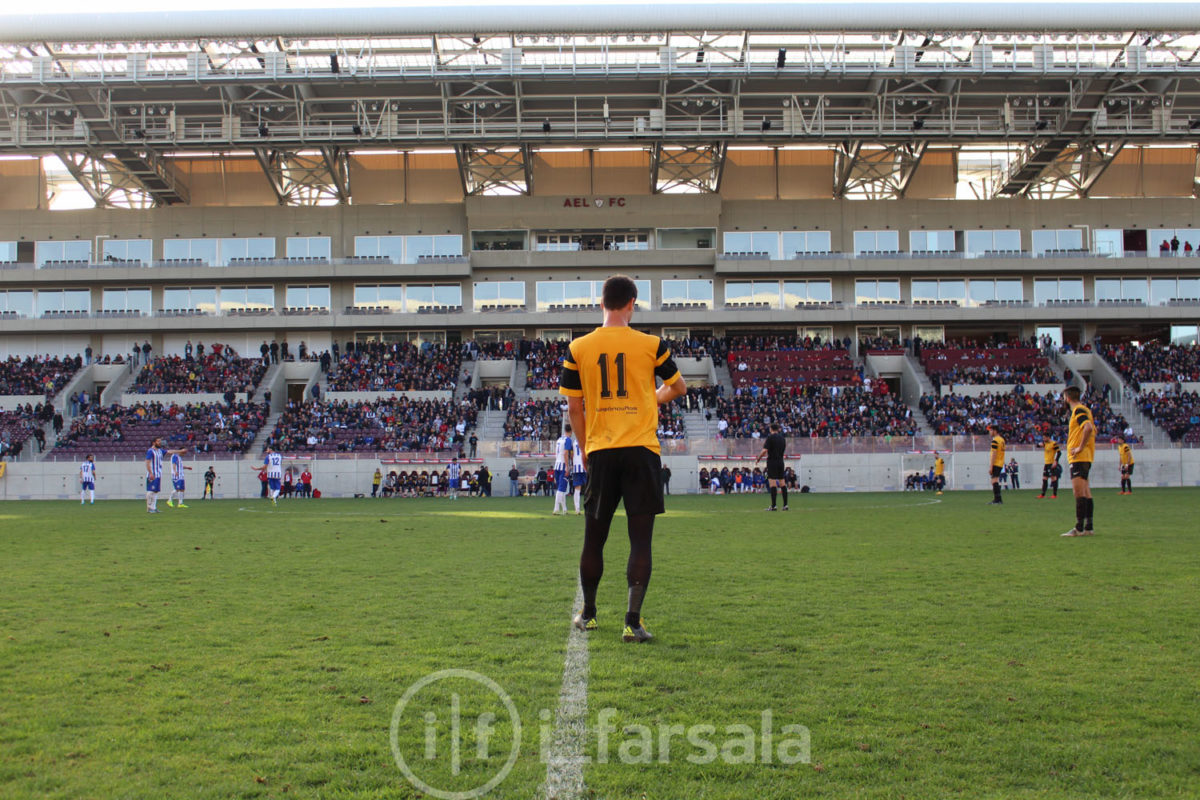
(273, 484)
(153, 485)
(89, 485)
(578, 479)
(178, 485)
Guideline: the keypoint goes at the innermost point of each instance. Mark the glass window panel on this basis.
(820, 241)
(1189, 288)
(979, 242)
(1135, 289)
(1006, 240)
(549, 293)
(1108, 288)
(417, 296)
(1070, 239)
(643, 294)
(20, 302)
(447, 295)
(793, 242)
(738, 291)
(175, 299)
(308, 247)
(1044, 290)
(229, 249)
(1109, 242)
(577, 292)
(363, 296)
(1043, 241)
(1185, 334)
(232, 297)
(1070, 288)
(952, 290)
(738, 243)
(766, 292)
(865, 291)
(511, 292)
(318, 296)
(390, 295)
(203, 249)
(924, 290)
(888, 241)
(820, 291)
(684, 238)
(1009, 289)
(391, 247)
(674, 291)
(139, 250)
(765, 242)
(49, 300)
(794, 292)
(982, 291)
(889, 290)
(204, 299)
(260, 247)
(447, 246)
(260, 297)
(1162, 290)
(936, 241)
(8, 252)
(417, 246)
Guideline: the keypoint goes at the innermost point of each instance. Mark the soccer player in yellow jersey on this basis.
(1126, 453)
(608, 377)
(1081, 449)
(997, 463)
(939, 472)
(1050, 455)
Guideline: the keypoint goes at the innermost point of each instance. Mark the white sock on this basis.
(154, 502)
(578, 494)
(92, 493)
(560, 501)
(82, 492)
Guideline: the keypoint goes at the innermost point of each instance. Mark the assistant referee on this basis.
(608, 377)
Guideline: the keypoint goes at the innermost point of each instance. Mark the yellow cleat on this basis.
(636, 634)
(583, 623)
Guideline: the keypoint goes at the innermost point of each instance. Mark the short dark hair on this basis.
(1073, 393)
(774, 426)
(618, 291)
(567, 427)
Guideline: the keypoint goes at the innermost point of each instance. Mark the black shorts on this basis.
(996, 471)
(629, 474)
(1081, 469)
(774, 470)
(1048, 471)
(1128, 468)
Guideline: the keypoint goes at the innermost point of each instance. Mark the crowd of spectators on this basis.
(995, 362)
(815, 411)
(739, 480)
(391, 424)
(543, 364)
(37, 375)
(533, 420)
(994, 373)
(670, 421)
(218, 369)
(1178, 413)
(1153, 362)
(395, 367)
(18, 426)
(1021, 417)
(200, 427)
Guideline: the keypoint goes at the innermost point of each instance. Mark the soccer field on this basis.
(859, 646)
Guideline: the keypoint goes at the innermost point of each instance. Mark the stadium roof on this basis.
(112, 94)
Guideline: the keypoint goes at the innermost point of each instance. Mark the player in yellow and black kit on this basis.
(997, 463)
(1126, 466)
(1081, 450)
(939, 472)
(608, 378)
(1051, 453)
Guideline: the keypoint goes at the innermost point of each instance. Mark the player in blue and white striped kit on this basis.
(273, 462)
(455, 477)
(564, 450)
(177, 483)
(578, 475)
(154, 464)
(87, 479)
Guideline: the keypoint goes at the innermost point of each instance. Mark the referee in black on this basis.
(774, 450)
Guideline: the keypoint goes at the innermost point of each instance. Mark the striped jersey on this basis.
(577, 466)
(155, 457)
(455, 470)
(176, 467)
(87, 471)
(562, 448)
(274, 464)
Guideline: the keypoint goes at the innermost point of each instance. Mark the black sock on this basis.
(996, 493)
(637, 571)
(591, 561)
(783, 489)
(1087, 520)
(1054, 488)
(1081, 509)
(774, 493)
(1044, 486)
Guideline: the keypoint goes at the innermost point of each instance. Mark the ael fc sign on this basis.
(594, 202)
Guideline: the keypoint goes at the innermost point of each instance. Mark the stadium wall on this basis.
(822, 473)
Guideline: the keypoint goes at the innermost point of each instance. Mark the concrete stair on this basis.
(255, 449)
(695, 426)
(491, 425)
(460, 388)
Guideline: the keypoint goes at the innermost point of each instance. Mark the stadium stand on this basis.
(815, 411)
(125, 432)
(396, 367)
(986, 365)
(1153, 362)
(533, 420)
(391, 424)
(220, 370)
(37, 376)
(1022, 417)
(1176, 413)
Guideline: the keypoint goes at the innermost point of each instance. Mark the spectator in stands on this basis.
(37, 375)
(220, 371)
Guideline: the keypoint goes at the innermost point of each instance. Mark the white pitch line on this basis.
(564, 762)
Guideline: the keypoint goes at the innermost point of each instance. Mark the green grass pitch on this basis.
(931, 647)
